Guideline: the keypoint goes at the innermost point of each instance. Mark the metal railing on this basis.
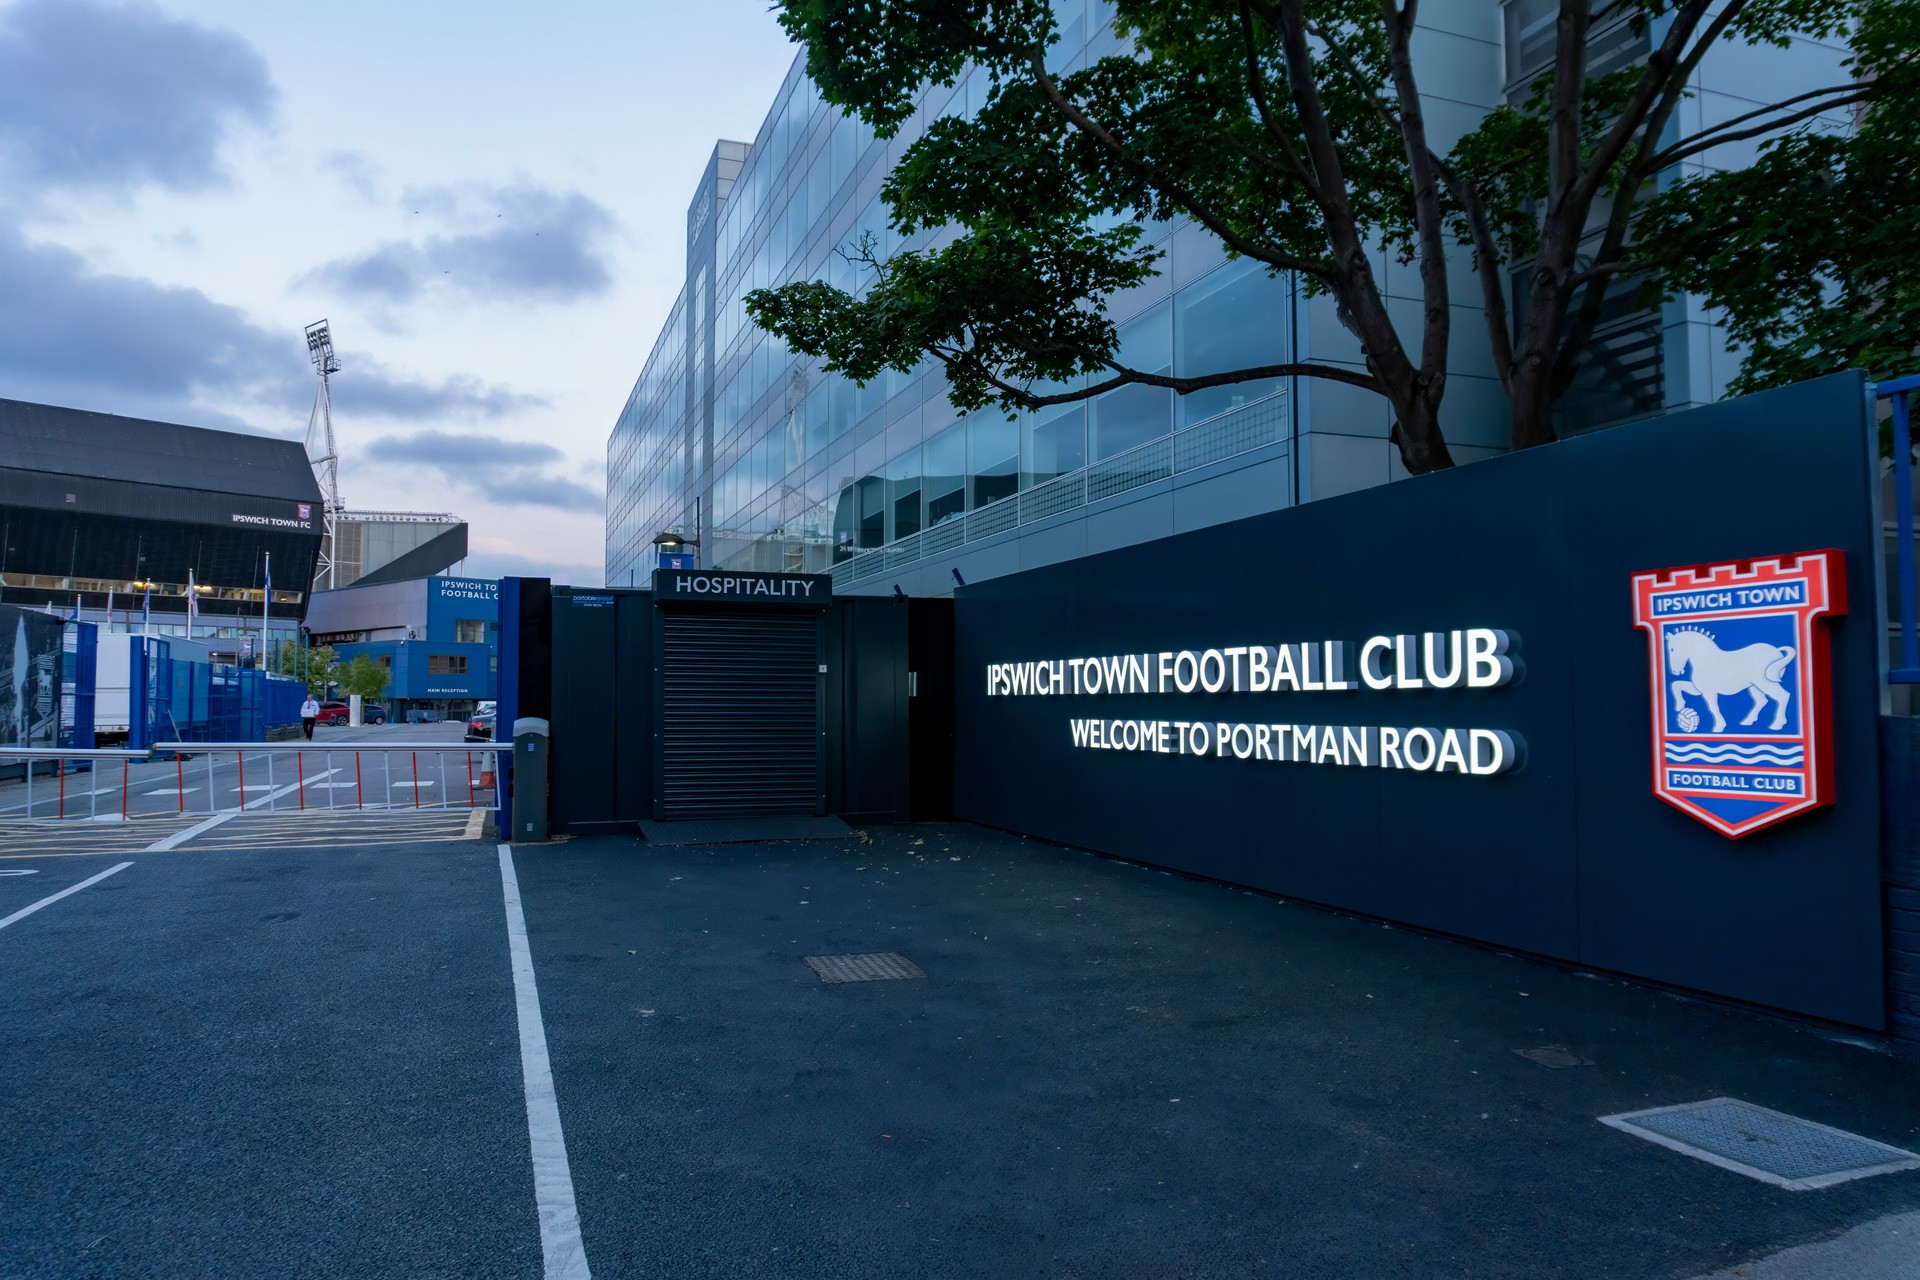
(1906, 665)
(1239, 430)
(60, 756)
(397, 766)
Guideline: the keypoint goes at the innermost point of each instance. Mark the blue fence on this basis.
(176, 700)
(1906, 664)
(79, 659)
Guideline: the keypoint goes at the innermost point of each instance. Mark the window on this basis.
(995, 462)
(1056, 443)
(470, 630)
(446, 664)
(1234, 318)
(946, 474)
(386, 662)
(1136, 414)
(903, 490)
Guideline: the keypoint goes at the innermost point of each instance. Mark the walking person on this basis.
(309, 712)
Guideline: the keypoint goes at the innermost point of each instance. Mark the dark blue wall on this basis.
(1570, 857)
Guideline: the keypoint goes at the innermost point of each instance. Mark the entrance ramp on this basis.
(745, 830)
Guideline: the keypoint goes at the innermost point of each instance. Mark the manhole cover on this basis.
(867, 968)
(1784, 1150)
(1553, 1056)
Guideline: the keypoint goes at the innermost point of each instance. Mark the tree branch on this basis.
(1257, 90)
(1426, 195)
(1133, 377)
(1719, 135)
(1204, 214)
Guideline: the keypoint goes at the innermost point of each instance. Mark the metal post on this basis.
(29, 789)
(240, 758)
(210, 784)
(470, 800)
(300, 776)
(1903, 524)
(270, 787)
(126, 767)
(93, 791)
(60, 771)
(359, 792)
(180, 780)
(415, 757)
(443, 779)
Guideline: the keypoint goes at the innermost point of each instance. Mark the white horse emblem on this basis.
(1716, 672)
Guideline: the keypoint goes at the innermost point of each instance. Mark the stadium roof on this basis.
(78, 442)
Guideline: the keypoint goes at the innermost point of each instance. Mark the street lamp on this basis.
(671, 551)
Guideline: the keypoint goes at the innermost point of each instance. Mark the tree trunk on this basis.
(1416, 430)
(1532, 398)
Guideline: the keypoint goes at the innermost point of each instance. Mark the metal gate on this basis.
(739, 712)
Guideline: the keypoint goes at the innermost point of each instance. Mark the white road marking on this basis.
(179, 838)
(24, 912)
(560, 1243)
(171, 791)
(20, 871)
(411, 785)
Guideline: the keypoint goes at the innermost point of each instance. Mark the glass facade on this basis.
(774, 465)
(771, 464)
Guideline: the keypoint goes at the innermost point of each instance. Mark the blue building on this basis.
(438, 639)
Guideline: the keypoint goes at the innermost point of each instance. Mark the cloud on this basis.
(511, 472)
(521, 244)
(356, 170)
(482, 563)
(71, 335)
(97, 96)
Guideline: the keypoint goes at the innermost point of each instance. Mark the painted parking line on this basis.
(560, 1243)
(52, 898)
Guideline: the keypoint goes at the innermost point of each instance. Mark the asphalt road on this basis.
(294, 1052)
(324, 769)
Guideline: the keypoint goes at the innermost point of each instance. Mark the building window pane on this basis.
(1056, 443)
(946, 474)
(873, 511)
(995, 456)
(1235, 318)
(443, 664)
(1135, 414)
(903, 492)
(470, 630)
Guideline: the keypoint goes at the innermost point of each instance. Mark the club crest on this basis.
(1737, 669)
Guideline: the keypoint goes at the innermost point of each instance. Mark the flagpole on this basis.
(193, 594)
(266, 602)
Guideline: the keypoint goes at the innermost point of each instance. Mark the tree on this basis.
(1811, 255)
(363, 676)
(314, 665)
(1296, 132)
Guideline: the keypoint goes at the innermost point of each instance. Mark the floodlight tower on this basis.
(320, 447)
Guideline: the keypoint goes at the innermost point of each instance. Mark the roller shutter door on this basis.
(740, 712)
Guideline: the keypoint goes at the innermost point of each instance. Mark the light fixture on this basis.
(668, 541)
(957, 578)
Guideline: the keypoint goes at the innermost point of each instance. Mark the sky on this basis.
(486, 200)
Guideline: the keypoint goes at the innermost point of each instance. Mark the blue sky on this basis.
(487, 200)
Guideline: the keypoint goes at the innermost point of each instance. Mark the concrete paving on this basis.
(297, 1055)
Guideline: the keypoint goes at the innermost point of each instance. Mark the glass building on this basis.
(770, 464)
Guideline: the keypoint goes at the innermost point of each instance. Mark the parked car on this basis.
(480, 723)
(373, 713)
(332, 713)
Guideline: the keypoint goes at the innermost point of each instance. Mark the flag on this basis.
(146, 611)
(193, 593)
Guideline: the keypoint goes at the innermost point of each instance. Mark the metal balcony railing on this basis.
(1250, 426)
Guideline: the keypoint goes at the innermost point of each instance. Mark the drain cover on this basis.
(1553, 1056)
(867, 968)
(1783, 1150)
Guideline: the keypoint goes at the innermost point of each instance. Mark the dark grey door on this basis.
(739, 712)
